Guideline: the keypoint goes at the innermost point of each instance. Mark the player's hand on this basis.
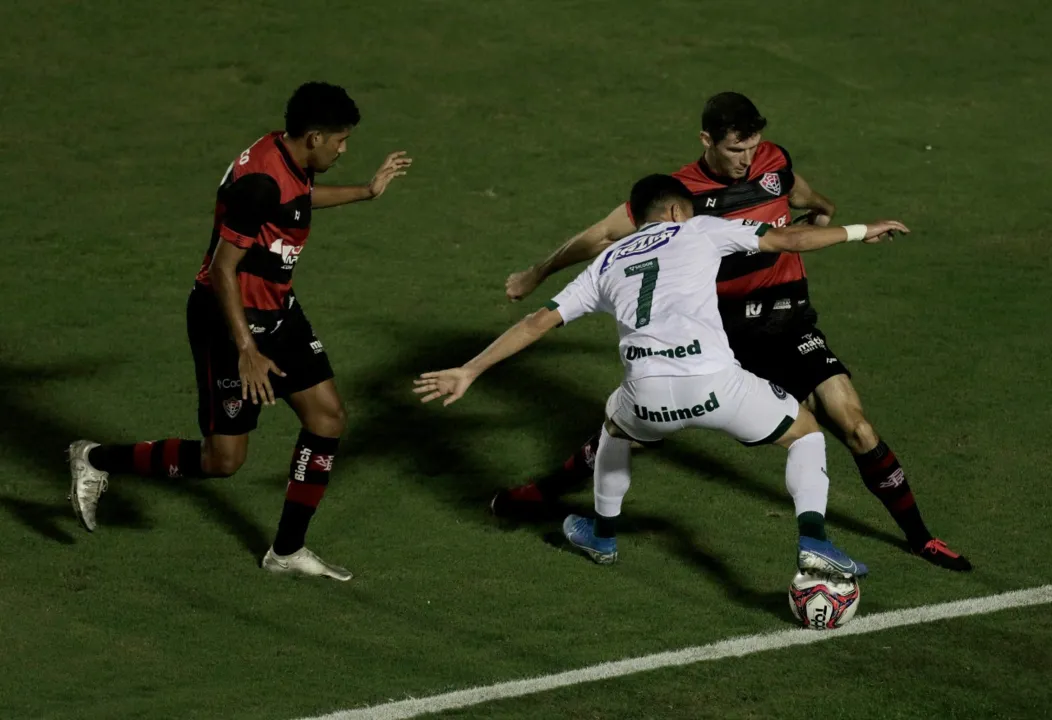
(884, 230)
(814, 218)
(520, 284)
(453, 382)
(254, 368)
(394, 166)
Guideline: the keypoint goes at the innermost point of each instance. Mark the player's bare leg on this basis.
(91, 465)
(321, 412)
(881, 472)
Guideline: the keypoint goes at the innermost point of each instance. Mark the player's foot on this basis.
(936, 552)
(821, 557)
(580, 532)
(303, 562)
(86, 483)
(518, 503)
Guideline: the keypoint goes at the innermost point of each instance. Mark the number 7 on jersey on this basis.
(649, 271)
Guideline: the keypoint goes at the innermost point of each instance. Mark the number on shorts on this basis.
(649, 271)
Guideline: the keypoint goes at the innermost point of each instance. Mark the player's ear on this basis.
(706, 139)
(313, 139)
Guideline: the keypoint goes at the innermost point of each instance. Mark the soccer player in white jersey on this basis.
(660, 286)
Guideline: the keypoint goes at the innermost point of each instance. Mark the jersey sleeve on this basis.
(729, 236)
(577, 299)
(248, 202)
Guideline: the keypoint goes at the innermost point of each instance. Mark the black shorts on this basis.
(292, 346)
(798, 358)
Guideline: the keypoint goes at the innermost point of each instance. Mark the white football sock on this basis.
(613, 475)
(805, 474)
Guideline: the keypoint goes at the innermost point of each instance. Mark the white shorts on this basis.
(749, 408)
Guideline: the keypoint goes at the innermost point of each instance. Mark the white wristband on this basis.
(856, 233)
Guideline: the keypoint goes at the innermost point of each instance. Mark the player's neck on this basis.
(710, 165)
(297, 150)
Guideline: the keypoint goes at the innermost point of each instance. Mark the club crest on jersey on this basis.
(771, 183)
(231, 407)
(639, 245)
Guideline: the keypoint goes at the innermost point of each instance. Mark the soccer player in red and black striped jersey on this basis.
(764, 305)
(251, 341)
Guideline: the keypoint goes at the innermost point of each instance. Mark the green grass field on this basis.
(527, 122)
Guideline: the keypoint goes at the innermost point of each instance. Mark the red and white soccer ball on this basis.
(823, 603)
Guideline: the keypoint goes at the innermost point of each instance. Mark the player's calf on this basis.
(312, 462)
(171, 458)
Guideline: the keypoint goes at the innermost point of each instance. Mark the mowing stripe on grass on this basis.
(734, 647)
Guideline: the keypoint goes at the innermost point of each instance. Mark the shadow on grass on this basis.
(35, 435)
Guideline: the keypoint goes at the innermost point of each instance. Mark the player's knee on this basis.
(222, 464)
(329, 421)
(860, 435)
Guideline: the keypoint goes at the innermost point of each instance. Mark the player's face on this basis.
(732, 155)
(327, 150)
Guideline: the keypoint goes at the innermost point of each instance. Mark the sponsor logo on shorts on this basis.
(753, 309)
(811, 343)
(771, 183)
(778, 391)
(299, 470)
(257, 329)
(782, 304)
(680, 351)
(228, 383)
(830, 361)
(317, 347)
(639, 246)
(674, 415)
(232, 406)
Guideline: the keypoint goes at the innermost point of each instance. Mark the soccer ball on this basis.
(822, 602)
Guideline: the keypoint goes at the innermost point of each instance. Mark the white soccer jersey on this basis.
(660, 286)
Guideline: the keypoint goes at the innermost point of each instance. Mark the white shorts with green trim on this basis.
(749, 408)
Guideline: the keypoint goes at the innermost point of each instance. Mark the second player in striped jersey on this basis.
(764, 305)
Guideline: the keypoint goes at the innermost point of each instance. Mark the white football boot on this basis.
(303, 562)
(87, 483)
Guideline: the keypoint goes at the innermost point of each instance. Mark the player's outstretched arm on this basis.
(453, 383)
(805, 238)
(395, 165)
(583, 246)
(804, 197)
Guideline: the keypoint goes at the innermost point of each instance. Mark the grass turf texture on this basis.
(527, 121)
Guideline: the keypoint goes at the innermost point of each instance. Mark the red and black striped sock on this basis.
(308, 478)
(574, 473)
(885, 478)
(170, 458)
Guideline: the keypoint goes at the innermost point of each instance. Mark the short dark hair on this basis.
(320, 107)
(652, 192)
(731, 112)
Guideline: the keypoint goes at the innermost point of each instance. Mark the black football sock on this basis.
(605, 527)
(574, 473)
(811, 524)
(308, 478)
(161, 459)
(885, 478)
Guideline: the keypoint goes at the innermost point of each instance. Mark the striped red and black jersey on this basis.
(263, 205)
(757, 291)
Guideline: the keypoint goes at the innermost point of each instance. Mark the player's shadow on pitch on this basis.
(36, 436)
(714, 471)
(681, 543)
(445, 449)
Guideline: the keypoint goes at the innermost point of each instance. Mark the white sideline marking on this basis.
(734, 647)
